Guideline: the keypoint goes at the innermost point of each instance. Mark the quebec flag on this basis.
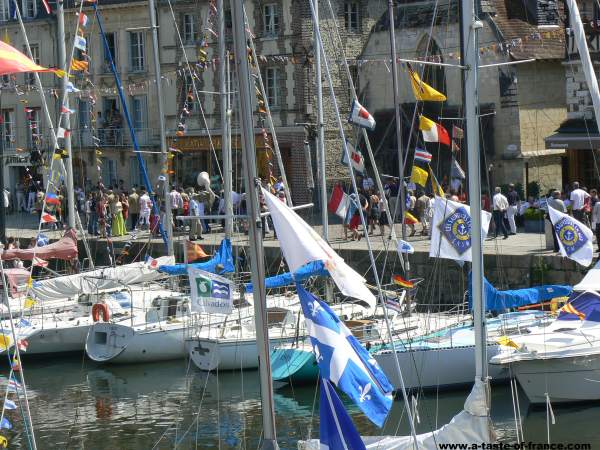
(574, 238)
(336, 429)
(344, 361)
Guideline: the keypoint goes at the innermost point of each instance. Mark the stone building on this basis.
(578, 134)
(519, 104)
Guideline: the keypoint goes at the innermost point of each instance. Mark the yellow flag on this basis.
(507, 342)
(29, 282)
(4, 342)
(437, 189)
(419, 176)
(29, 303)
(6, 37)
(422, 90)
(3, 442)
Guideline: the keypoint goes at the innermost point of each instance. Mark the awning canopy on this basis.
(579, 141)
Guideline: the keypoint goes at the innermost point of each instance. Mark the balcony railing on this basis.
(114, 137)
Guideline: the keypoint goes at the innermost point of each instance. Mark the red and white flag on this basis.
(360, 116)
(358, 162)
(47, 6)
(422, 155)
(22, 344)
(48, 218)
(65, 110)
(83, 19)
(457, 133)
(39, 262)
(339, 202)
(433, 132)
(152, 263)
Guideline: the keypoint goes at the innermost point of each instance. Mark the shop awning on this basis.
(578, 141)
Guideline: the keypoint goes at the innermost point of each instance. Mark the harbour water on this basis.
(76, 404)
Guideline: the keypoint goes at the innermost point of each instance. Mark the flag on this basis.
(336, 430)
(47, 6)
(80, 43)
(397, 279)
(14, 385)
(52, 199)
(433, 132)
(5, 423)
(435, 186)
(193, 251)
(507, 342)
(39, 262)
(455, 146)
(42, 240)
(78, 65)
(570, 309)
(3, 440)
(61, 133)
(9, 405)
(360, 116)
(405, 247)
(392, 304)
(344, 361)
(210, 293)
(300, 245)
(71, 88)
(422, 155)
(13, 61)
(456, 171)
(6, 37)
(422, 90)
(15, 366)
(457, 133)
(419, 176)
(451, 230)
(574, 238)
(48, 218)
(358, 162)
(83, 19)
(409, 219)
(22, 345)
(65, 110)
(339, 203)
(5, 341)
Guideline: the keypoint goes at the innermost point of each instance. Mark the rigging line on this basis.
(189, 68)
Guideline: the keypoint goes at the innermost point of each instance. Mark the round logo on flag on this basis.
(456, 228)
(570, 235)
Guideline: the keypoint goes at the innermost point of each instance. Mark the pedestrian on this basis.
(176, 203)
(145, 205)
(118, 223)
(556, 202)
(93, 217)
(374, 212)
(596, 222)
(513, 204)
(31, 195)
(134, 208)
(420, 209)
(412, 203)
(383, 218)
(195, 225)
(352, 207)
(363, 204)
(125, 203)
(21, 206)
(500, 205)
(578, 197)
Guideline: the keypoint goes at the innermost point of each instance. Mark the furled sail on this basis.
(220, 263)
(315, 268)
(65, 248)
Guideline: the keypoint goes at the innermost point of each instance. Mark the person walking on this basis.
(500, 205)
(134, 208)
(420, 210)
(578, 197)
(374, 212)
(145, 205)
(118, 223)
(513, 204)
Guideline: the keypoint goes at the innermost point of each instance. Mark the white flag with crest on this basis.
(451, 230)
(300, 244)
(574, 238)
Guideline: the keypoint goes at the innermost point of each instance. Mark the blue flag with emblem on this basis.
(344, 361)
(574, 238)
(336, 429)
(5, 423)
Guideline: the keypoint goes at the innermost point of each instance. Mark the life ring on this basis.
(100, 307)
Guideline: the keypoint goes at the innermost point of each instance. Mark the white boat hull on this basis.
(437, 368)
(112, 343)
(57, 340)
(569, 379)
(228, 354)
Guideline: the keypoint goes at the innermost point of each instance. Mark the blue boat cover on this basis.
(223, 257)
(314, 268)
(496, 300)
(581, 306)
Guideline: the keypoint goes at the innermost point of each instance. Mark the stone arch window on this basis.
(432, 75)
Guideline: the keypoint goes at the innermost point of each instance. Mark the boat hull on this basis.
(59, 340)
(443, 368)
(294, 366)
(566, 380)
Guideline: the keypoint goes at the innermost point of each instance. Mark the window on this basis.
(271, 19)
(83, 114)
(136, 51)
(351, 16)
(5, 11)
(35, 52)
(138, 108)
(33, 124)
(135, 174)
(190, 31)
(111, 40)
(228, 21)
(109, 172)
(272, 80)
(8, 128)
(29, 9)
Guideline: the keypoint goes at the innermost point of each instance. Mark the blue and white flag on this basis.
(336, 429)
(574, 238)
(344, 361)
(210, 293)
(9, 405)
(70, 88)
(80, 43)
(5, 424)
(405, 247)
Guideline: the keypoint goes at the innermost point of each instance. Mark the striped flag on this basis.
(47, 6)
(423, 155)
(397, 279)
(339, 203)
(393, 304)
(13, 61)
(456, 171)
(83, 19)
(570, 309)
(433, 132)
(78, 65)
(65, 110)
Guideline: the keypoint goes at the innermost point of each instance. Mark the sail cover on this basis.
(64, 248)
(496, 300)
(95, 280)
(220, 263)
(470, 425)
(591, 281)
(315, 268)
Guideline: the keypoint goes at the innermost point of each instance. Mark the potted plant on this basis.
(534, 220)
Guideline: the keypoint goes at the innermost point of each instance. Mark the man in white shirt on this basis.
(578, 197)
(176, 204)
(145, 208)
(500, 205)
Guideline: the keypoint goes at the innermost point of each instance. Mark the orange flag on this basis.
(13, 61)
(194, 251)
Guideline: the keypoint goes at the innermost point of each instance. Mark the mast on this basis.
(161, 121)
(62, 62)
(2, 167)
(254, 232)
(225, 124)
(398, 134)
(470, 25)
(320, 130)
